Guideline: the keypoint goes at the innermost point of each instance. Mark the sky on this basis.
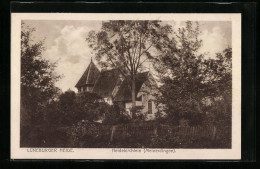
(65, 44)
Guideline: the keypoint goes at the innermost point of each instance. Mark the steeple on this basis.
(88, 79)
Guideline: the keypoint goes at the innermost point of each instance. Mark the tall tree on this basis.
(221, 78)
(37, 82)
(187, 77)
(127, 45)
(37, 73)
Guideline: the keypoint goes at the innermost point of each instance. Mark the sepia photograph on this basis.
(127, 84)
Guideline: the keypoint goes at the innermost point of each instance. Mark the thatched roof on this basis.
(124, 92)
(106, 83)
(90, 75)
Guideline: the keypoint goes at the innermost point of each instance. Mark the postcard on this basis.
(150, 86)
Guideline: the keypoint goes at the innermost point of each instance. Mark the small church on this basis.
(114, 88)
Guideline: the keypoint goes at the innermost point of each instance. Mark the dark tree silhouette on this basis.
(37, 81)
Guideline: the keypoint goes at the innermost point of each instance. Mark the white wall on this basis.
(146, 92)
(108, 100)
(146, 98)
(144, 103)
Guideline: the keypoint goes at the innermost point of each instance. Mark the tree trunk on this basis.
(198, 106)
(133, 96)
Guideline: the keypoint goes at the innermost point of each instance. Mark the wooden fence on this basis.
(152, 130)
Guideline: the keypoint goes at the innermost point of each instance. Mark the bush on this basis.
(116, 114)
(88, 134)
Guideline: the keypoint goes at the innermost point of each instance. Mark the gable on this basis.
(106, 83)
(124, 93)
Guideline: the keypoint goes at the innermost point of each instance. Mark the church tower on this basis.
(88, 79)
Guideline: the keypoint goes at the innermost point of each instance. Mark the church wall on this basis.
(89, 88)
(128, 106)
(146, 99)
(144, 103)
(108, 100)
(147, 95)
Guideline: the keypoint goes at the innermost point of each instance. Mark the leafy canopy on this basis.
(37, 73)
(189, 79)
(126, 45)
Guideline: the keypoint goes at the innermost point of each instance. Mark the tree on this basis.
(91, 106)
(68, 108)
(180, 69)
(127, 45)
(37, 81)
(36, 72)
(223, 78)
(188, 78)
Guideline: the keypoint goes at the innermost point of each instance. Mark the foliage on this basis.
(116, 115)
(86, 134)
(126, 45)
(189, 81)
(91, 106)
(194, 90)
(37, 74)
(73, 107)
(37, 83)
(138, 115)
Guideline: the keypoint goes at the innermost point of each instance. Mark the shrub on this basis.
(88, 134)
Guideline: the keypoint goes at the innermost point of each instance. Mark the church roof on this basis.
(89, 76)
(106, 82)
(124, 93)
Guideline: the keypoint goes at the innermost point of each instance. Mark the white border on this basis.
(106, 153)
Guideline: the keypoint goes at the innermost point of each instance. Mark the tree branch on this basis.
(138, 63)
(117, 67)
